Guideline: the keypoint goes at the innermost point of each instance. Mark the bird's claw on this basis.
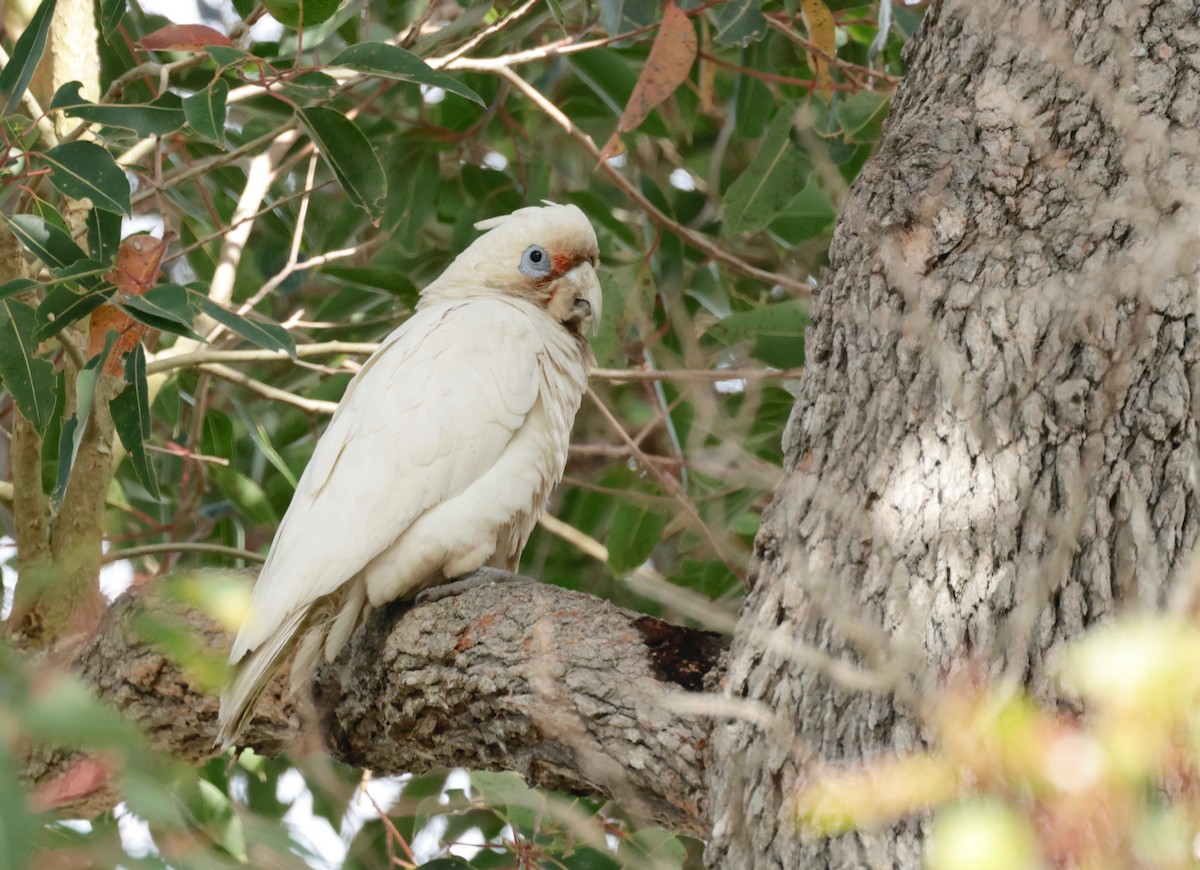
(459, 585)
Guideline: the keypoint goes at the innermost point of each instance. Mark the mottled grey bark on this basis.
(996, 441)
(565, 689)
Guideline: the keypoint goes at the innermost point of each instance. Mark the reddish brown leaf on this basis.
(139, 261)
(667, 67)
(183, 37)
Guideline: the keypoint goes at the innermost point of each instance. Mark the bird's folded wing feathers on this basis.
(430, 412)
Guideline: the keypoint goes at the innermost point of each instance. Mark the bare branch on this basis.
(315, 406)
(182, 547)
(168, 362)
(565, 689)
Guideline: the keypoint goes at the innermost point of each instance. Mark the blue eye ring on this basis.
(535, 262)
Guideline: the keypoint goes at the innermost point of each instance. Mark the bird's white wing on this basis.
(430, 411)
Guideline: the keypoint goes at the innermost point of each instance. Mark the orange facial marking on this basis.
(562, 263)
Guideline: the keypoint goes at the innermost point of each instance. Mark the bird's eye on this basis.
(535, 262)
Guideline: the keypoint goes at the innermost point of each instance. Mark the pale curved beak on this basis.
(589, 299)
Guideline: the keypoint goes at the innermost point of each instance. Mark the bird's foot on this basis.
(478, 577)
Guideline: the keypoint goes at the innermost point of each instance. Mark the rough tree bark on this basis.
(996, 441)
(573, 693)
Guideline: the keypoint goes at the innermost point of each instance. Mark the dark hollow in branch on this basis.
(567, 690)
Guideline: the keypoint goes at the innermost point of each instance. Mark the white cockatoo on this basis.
(442, 452)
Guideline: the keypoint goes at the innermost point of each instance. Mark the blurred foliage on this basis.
(1113, 783)
(714, 218)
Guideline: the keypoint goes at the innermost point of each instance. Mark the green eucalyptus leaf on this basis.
(164, 115)
(18, 72)
(84, 170)
(205, 110)
(166, 307)
(861, 116)
(776, 332)
(131, 418)
(393, 62)
(350, 156)
(778, 172)
(636, 530)
(65, 305)
(622, 16)
(72, 431)
(46, 241)
(26, 376)
(301, 13)
(738, 22)
(272, 336)
(16, 287)
(104, 235)
(111, 13)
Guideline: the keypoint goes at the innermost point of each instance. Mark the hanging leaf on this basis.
(350, 156)
(861, 116)
(636, 530)
(738, 22)
(301, 13)
(667, 67)
(822, 32)
(164, 307)
(272, 336)
(46, 241)
(776, 331)
(28, 378)
(205, 110)
(225, 56)
(810, 214)
(393, 62)
(73, 429)
(18, 72)
(183, 37)
(131, 418)
(111, 13)
(163, 116)
(65, 305)
(622, 16)
(84, 170)
(104, 234)
(778, 172)
(15, 286)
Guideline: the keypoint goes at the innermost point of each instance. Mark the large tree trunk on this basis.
(995, 445)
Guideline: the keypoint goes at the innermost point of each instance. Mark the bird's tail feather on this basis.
(321, 629)
(252, 675)
(331, 622)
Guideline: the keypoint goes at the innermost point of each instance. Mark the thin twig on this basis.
(491, 30)
(294, 252)
(181, 547)
(316, 406)
(393, 833)
(715, 375)
(799, 288)
(668, 483)
(168, 363)
(646, 581)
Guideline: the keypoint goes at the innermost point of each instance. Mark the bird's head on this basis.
(546, 254)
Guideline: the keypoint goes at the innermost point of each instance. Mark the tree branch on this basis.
(567, 690)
